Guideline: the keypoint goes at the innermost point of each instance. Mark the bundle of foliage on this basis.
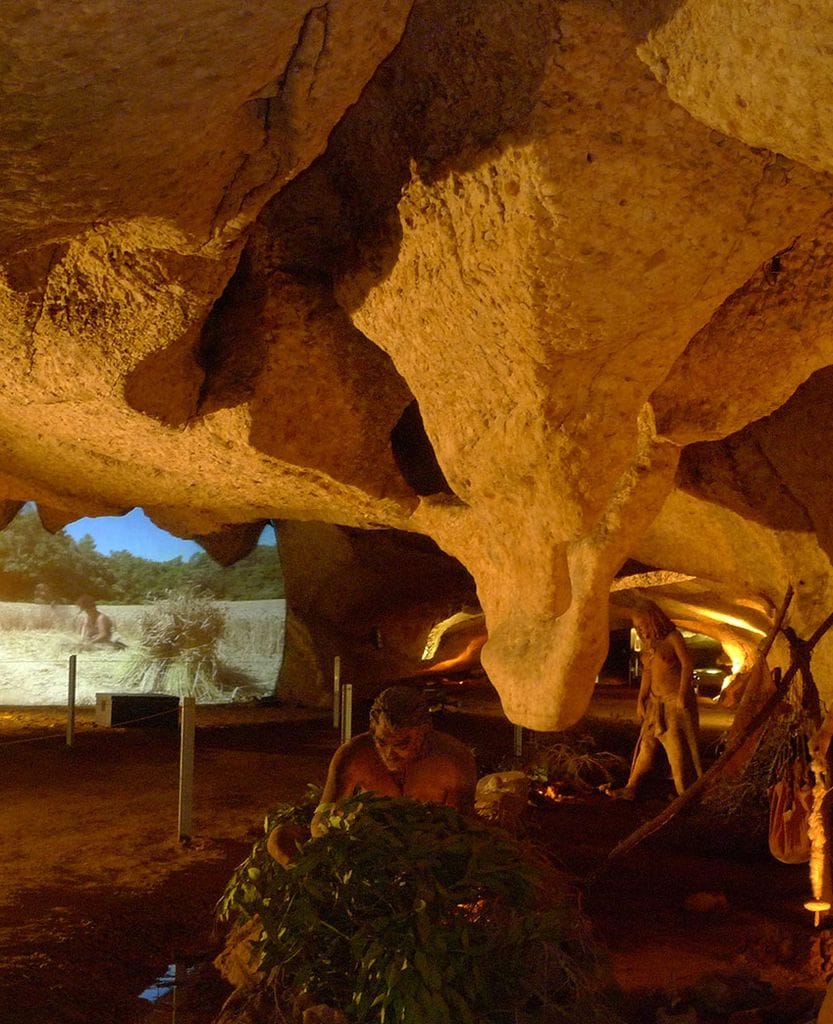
(254, 879)
(178, 654)
(573, 759)
(734, 812)
(408, 913)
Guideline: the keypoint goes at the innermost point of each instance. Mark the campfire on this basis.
(544, 794)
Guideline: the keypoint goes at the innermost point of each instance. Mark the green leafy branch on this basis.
(409, 913)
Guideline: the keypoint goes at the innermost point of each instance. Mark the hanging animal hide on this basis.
(790, 805)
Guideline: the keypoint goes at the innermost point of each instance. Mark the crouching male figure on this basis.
(401, 754)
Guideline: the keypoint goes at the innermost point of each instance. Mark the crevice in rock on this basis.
(737, 474)
(298, 58)
(34, 279)
(433, 105)
(231, 351)
(414, 454)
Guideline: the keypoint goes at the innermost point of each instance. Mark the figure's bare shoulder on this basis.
(355, 746)
(450, 759)
(350, 768)
(353, 756)
(444, 773)
(444, 744)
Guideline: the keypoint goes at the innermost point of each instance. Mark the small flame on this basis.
(553, 795)
(472, 911)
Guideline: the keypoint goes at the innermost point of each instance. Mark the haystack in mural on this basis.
(178, 649)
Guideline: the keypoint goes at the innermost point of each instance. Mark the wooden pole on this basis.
(71, 675)
(336, 691)
(817, 734)
(347, 712)
(769, 639)
(188, 719)
(754, 693)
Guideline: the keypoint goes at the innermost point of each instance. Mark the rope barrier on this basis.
(156, 714)
(52, 736)
(62, 662)
(33, 739)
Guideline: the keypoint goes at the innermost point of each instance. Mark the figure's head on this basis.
(86, 603)
(399, 723)
(651, 622)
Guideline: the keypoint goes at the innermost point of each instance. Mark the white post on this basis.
(186, 766)
(336, 691)
(71, 699)
(519, 740)
(347, 713)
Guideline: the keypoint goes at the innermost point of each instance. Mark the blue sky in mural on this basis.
(135, 533)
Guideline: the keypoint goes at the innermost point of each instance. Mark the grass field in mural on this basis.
(232, 654)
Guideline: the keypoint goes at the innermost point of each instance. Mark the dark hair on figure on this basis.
(403, 706)
(656, 624)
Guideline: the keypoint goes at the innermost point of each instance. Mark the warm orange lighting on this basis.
(731, 620)
(736, 654)
(442, 628)
(739, 662)
(472, 648)
(472, 911)
(817, 908)
(551, 794)
(432, 641)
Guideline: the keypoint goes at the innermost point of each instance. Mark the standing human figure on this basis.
(666, 706)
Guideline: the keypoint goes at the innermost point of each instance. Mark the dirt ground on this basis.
(99, 896)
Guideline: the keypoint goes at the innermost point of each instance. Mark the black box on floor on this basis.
(149, 709)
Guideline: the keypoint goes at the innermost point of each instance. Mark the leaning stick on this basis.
(753, 694)
(769, 639)
(705, 780)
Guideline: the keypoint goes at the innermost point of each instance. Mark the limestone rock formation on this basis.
(543, 283)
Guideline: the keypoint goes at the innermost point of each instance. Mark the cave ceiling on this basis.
(547, 283)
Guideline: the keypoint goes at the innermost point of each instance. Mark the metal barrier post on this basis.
(71, 699)
(347, 712)
(336, 691)
(186, 766)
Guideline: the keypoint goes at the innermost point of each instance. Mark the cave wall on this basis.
(368, 597)
(587, 242)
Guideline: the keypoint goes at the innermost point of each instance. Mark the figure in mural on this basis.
(400, 755)
(666, 706)
(44, 594)
(96, 627)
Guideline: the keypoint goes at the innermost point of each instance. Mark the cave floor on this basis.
(99, 896)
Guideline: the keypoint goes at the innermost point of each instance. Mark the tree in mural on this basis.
(30, 557)
(37, 565)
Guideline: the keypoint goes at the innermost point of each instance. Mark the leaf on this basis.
(429, 974)
(410, 914)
